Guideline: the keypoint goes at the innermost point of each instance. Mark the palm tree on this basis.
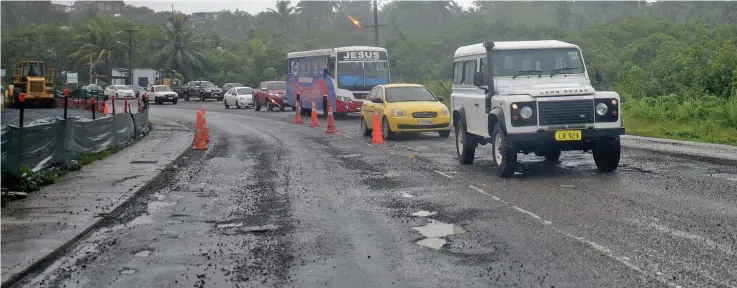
(316, 11)
(98, 43)
(181, 49)
(283, 14)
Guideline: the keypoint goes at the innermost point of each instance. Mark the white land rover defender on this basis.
(540, 100)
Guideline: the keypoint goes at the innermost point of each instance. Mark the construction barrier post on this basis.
(125, 106)
(113, 102)
(94, 107)
(66, 102)
(22, 97)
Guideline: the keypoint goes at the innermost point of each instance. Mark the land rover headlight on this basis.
(398, 112)
(601, 109)
(445, 111)
(525, 112)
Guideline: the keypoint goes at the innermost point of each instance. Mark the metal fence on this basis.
(57, 141)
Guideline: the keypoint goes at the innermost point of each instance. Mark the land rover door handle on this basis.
(476, 104)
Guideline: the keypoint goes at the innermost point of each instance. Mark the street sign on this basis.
(71, 77)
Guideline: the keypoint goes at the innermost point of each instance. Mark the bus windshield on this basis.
(362, 75)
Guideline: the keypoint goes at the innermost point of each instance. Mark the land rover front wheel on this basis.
(465, 144)
(504, 158)
(606, 154)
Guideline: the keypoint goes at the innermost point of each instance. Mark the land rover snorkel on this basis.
(540, 100)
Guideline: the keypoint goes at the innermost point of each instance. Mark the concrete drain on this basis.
(435, 233)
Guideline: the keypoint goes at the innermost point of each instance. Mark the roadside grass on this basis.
(709, 120)
(29, 181)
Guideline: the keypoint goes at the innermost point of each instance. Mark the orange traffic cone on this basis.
(105, 110)
(298, 116)
(204, 126)
(378, 136)
(199, 137)
(331, 119)
(314, 116)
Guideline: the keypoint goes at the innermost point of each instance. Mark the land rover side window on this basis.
(458, 72)
(469, 67)
(558, 60)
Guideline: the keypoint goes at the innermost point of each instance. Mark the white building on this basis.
(141, 76)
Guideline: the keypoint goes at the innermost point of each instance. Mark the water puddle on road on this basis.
(350, 156)
(128, 271)
(423, 213)
(407, 195)
(230, 225)
(142, 220)
(435, 233)
(143, 253)
(155, 206)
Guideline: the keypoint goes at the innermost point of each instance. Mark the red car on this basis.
(271, 94)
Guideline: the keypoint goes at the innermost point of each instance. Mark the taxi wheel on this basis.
(386, 130)
(364, 128)
(444, 134)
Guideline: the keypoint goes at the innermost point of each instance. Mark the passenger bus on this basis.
(344, 75)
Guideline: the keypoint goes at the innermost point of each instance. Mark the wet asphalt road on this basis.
(275, 204)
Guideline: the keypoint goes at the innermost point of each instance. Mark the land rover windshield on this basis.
(537, 62)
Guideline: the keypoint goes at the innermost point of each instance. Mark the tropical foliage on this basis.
(675, 63)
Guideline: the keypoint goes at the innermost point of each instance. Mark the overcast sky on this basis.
(189, 6)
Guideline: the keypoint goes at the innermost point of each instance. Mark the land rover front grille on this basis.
(566, 112)
(425, 114)
(36, 87)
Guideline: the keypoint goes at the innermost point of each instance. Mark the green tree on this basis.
(182, 48)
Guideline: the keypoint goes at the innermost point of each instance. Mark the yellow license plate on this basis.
(568, 135)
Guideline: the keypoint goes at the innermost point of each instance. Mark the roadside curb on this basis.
(47, 259)
(719, 153)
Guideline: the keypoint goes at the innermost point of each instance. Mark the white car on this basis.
(120, 91)
(162, 93)
(239, 97)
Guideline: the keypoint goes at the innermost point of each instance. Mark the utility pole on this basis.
(172, 8)
(376, 23)
(130, 56)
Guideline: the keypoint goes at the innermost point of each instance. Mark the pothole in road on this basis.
(423, 213)
(143, 253)
(435, 233)
(128, 271)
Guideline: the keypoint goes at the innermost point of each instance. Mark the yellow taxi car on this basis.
(404, 108)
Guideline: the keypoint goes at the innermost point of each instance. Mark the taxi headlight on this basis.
(398, 112)
(525, 112)
(445, 111)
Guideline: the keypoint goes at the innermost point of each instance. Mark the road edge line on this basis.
(43, 262)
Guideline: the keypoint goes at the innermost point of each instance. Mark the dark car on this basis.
(202, 90)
